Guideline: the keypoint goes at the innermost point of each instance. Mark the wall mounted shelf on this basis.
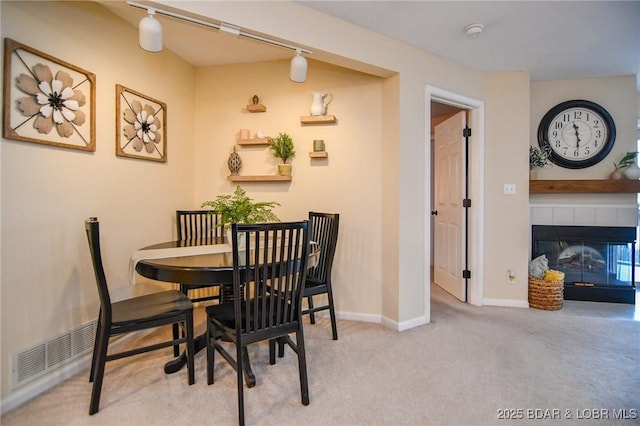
(318, 119)
(253, 141)
(266, 178)
(597, 186)
(256, 108)
(318, 154)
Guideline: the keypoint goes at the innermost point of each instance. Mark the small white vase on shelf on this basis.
(632, 172)
(533, 174)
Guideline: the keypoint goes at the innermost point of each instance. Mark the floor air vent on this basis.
(33, 362)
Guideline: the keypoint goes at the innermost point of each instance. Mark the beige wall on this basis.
(47, 283)
(506, 216)
(617, 95)
(348, 182)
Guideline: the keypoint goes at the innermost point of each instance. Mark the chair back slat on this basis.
(92, 228)
(270, 264)
(324, 231)
(198, 224)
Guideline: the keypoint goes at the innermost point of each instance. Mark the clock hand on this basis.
(575, 127)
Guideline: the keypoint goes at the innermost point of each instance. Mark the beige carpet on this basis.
(465, 368)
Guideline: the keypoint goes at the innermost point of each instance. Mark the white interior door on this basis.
(449, 232)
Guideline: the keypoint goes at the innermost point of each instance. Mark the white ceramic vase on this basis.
(241, 239)
(632, 172)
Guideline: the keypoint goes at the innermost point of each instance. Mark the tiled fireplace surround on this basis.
(623, 215)
(584, 215)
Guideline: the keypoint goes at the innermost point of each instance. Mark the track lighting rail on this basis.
(223, 26)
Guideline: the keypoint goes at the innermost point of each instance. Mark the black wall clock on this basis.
(578, 134)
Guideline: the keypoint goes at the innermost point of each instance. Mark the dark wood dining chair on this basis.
(134, 314)
(195, 226)
(268, 279)
(323, 229)
(198, 224)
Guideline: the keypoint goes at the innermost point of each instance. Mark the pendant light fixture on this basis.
(298, 70)
(150, 32)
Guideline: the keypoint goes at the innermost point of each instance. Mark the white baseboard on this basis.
(404, 325)
(378, 319)
(506, 303)
(352, 316)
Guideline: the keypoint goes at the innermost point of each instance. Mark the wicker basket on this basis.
(547, 295)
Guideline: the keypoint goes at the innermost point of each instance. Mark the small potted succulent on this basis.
(238, 208)
(282, 147)
(538, 157)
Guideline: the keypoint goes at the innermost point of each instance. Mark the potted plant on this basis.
(282, 147)
(538, 157)
(629, 159)
(238, 208)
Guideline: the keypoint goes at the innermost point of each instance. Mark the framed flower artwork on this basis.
(46, 100)
(141, 124)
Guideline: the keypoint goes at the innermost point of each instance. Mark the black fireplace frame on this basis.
(589, 235)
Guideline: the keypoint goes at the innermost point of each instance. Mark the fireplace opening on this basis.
(598, 261)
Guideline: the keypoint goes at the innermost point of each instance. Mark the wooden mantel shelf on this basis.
(597, 186)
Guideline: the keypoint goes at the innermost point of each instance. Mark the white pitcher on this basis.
(320, 103)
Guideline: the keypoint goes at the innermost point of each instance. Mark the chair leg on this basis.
(272, 351)
(332, 313)
(240, 369)
(210, 353)
(302, 366)
(95, 347)
(312, 315)
(190, 347)
(98, 374)
(176, 327)
(249, 377)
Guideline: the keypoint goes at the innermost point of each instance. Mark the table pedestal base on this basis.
(200, 343)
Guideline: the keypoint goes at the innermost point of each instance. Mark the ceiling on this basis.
(550, 39)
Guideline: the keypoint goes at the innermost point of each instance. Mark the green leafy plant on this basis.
(538, 157)
(238, 208)
(282, 147)
(628, 160)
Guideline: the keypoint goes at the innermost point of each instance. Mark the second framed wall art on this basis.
(141, 123)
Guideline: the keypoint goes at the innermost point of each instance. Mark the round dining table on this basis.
(193, 271)
(189, 270)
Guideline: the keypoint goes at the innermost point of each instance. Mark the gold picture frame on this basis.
(46, 100)
(141, 126)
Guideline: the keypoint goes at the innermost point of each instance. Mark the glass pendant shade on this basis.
(298, 71)
(150, 32)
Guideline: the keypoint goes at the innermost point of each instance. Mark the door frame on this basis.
(475, 289)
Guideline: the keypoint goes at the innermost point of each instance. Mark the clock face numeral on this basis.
(579, 133)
